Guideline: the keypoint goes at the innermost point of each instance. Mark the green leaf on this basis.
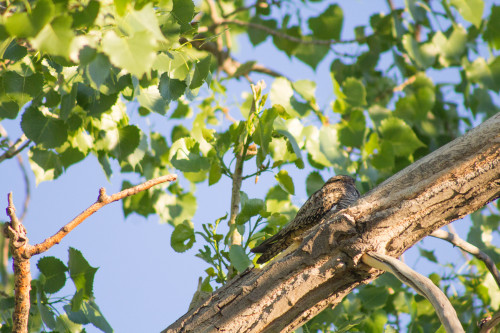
(354, 91)
(183, 238)
(81, 273)
(423, 55)
(55, 273)
(143, 19)
(306, 89)
(249, 208)
(373, 297)
(429, 255)
(136, 54)
(182, 111)
(56, 37)
(486, 75)
(281, 94)
(45, 164)
(384, 159)
(89, 313)
(17, 86)
(171, 89)
(263, 132)
(140, 203)
(244, 69)
(47, 315)
(314, 182)
(128, 140)
(121, 6)
(492, 32)
(239, 259)
(183, 12)
(351, 132)
(311, 54)
(329, 145)
(328, 25)
(402, 138)
(99, 69)
(471, 10)
(285, 44)
(451, 49)
(202, 68)
(285, 129)
(257, 36)
(215, 173)
(187, 157)
(285, 181)
(23, 25)
(86, 16)
(151, 99)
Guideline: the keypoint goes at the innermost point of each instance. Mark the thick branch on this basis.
(468, 247)
(421, 284)
(442, 187)
(102, 201)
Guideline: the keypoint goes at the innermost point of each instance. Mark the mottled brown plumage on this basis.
(338, 193)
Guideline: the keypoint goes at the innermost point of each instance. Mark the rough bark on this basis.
(449, 183)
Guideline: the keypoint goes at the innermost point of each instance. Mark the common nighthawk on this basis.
(338, 193)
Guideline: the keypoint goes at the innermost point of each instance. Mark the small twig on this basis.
(468, 247)
(406, 83)
(487, 324)
(16, 148)
(102, 201)
(421, 284)
(27, 188)
(283, 35)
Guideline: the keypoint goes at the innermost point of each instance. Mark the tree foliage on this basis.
(74, 74)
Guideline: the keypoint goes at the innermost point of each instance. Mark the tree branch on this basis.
(283, 35)
(22, 276)
(468, 247)
(16, 148)
(22, 251)
(444, 186)
(102, 200)
(489, 323)
(422, 285)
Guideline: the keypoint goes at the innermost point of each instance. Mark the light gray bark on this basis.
(449, 183)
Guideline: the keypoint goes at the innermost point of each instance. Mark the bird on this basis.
(337, 193)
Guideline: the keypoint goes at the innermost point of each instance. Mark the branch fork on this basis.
(22, 251)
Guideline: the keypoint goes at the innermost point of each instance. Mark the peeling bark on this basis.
(446, 185)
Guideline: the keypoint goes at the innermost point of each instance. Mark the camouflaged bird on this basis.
(338, 193)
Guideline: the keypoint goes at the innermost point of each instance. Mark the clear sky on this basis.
(142, 285)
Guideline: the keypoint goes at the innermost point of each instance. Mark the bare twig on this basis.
(468, 247)
(102, 201)
(406, 83)
(421, 284)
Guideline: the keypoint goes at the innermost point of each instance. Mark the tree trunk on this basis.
(446, 185)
